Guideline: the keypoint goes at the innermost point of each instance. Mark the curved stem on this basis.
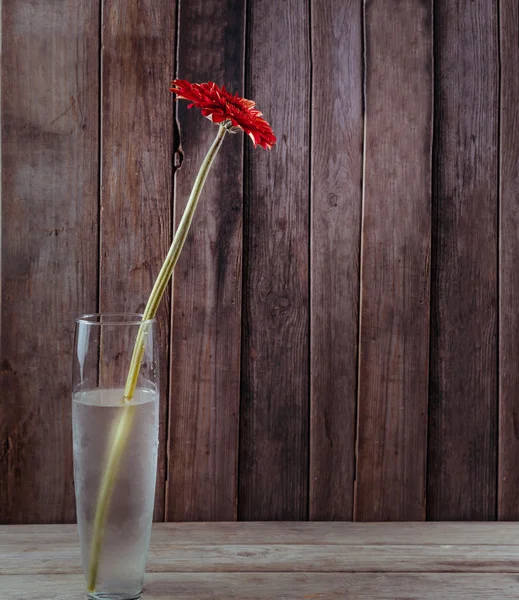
(123, 428)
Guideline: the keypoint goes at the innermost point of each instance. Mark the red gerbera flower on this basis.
(218, 105)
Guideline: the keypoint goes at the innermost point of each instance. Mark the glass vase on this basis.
(114, 542)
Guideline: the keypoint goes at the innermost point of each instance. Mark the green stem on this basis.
(123, 428)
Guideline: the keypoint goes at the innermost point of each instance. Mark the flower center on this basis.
(230, 127)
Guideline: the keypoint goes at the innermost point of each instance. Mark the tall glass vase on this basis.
(114, 542)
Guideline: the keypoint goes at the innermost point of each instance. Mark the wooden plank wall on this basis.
(274, 409)
(205, 348)
(50, 125)
(508, 374)
(336, 193)
(340, 338)
(395, 252)
(462, 441)
(135, 193)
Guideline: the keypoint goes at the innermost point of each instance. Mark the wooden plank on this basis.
(294, 558)
(30, 550)
(462, 458)
(206, 326)
(336, 176)
(508, 482)
(282, 586)
(273, 471)
(335, 558)
(17, 538)
(49, 244)
(394, 326)
(137, 145)
(289, 532)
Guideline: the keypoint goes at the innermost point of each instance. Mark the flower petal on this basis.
(218, 105)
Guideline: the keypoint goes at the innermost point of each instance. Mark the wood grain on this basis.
(295, 558)
(64, 538)
(508, 481)
(462, 465)
(49, 244)
(395, 274)
(137, 147)
(416, 547)
(336, 188)
(273, 471)
(43, 561)
(285, 449)
(282, 586)
(206, 326)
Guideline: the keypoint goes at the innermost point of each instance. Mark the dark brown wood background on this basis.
(341, 339)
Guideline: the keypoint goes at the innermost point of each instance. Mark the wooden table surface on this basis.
(285, 561)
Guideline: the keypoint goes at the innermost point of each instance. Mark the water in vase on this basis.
(95, 414)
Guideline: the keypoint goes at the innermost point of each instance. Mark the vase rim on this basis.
(121, 318)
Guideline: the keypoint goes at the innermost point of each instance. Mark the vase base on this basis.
(111, 596)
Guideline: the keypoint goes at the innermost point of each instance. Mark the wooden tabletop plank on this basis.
(281, 558)
(260, 533)
(334, 558)
(285, 586)
(55, 550)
